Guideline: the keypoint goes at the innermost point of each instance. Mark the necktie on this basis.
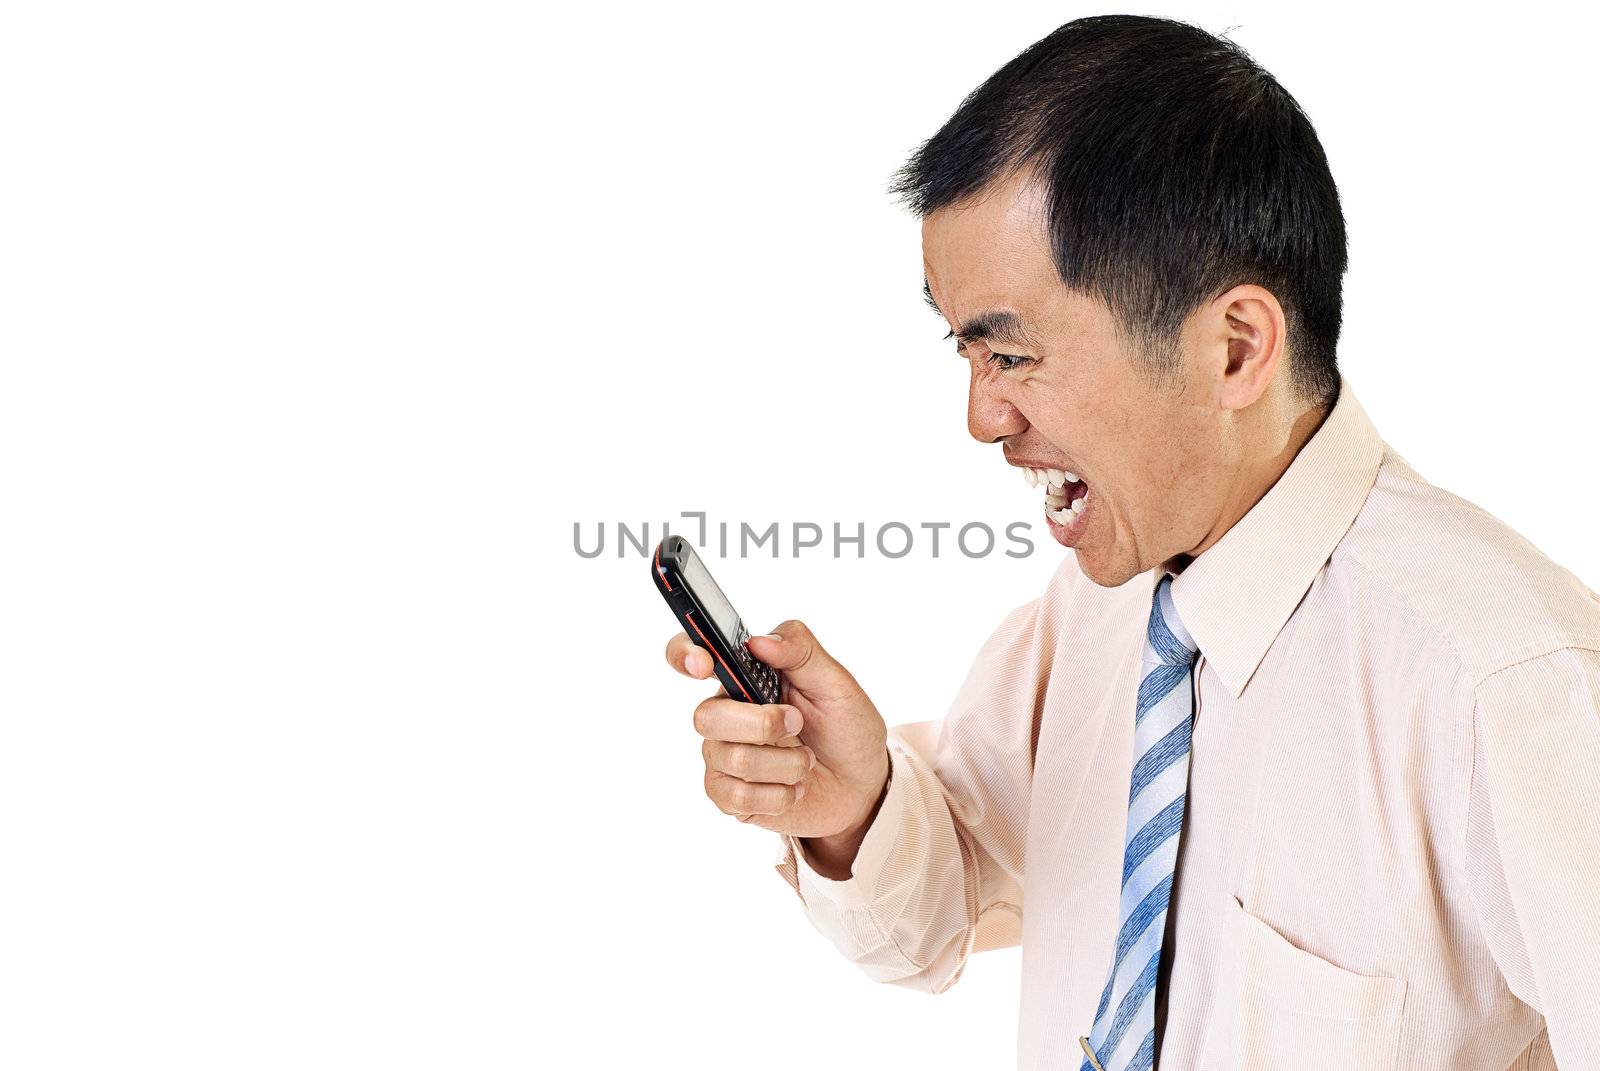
(1124, 1034)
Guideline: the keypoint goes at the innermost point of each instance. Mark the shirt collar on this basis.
(1236, 595)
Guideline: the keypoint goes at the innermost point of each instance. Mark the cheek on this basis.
(1057, 411)
(1143, 486)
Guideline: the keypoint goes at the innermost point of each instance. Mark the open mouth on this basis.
(1063, 493)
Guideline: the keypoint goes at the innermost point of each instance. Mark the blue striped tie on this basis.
(1124, 1034)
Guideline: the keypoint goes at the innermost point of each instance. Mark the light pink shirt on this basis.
(1390, 855)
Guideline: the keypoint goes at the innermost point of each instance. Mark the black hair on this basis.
(1175, 168)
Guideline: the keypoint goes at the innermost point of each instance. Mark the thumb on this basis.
(795, 652)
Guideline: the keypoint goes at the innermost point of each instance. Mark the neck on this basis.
(1256, 481)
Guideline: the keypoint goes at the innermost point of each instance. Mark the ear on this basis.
(1249, 333)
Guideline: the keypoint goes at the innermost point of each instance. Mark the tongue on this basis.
(1076, 491)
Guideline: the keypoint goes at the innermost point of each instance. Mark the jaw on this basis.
(1110, 557)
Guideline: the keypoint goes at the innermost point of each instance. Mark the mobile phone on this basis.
(711, 622)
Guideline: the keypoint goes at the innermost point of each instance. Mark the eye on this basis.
(1002, 361)
(1006, 360)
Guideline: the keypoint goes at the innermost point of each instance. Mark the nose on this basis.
(990, 415)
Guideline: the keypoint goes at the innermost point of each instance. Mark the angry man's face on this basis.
(1160, 470)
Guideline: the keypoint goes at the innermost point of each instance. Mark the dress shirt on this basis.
(1391, 848)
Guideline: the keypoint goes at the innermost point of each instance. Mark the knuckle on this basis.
(736, 762)
(804, 640)
(742, 796)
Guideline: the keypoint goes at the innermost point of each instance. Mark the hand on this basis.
(813, 765)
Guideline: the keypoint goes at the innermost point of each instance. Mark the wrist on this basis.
(832, 856)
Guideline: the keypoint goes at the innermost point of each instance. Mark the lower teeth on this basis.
(1063, 514)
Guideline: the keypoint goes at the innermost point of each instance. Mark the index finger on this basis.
(688, 659)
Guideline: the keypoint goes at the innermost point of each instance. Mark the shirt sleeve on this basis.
(939, 873)
(1533, 839)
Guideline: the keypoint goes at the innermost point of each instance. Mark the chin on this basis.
(1107, 578)
(1113, 582)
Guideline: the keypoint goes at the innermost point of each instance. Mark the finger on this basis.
(761, 763)
(793, 650)
(738, 797)
(685, 657)
(721, 718)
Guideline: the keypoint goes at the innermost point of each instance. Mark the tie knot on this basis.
(1168, 638)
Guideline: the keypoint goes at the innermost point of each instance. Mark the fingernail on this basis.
(799, 790)
(811, 759)
(774, 636)
(792, 720)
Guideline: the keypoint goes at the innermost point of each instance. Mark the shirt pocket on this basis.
(1298, 1010)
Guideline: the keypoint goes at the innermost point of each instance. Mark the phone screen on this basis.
(715, 602)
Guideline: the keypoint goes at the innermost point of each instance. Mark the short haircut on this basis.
(1175, 168)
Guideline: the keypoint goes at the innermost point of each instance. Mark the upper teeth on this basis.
(1055, 479)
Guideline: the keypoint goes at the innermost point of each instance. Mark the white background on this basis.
(325, 322)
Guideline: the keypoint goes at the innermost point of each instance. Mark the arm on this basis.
(1533, 839)
(938, 872)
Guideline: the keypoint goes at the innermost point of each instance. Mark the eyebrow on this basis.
(996, 325)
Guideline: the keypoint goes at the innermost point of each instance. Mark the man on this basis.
(1295, 763)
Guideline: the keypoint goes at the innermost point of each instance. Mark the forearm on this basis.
(900, 905)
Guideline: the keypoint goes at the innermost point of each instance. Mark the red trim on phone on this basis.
(660, 570)
(689, 617)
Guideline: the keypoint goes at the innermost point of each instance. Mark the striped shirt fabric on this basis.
(1390, 854)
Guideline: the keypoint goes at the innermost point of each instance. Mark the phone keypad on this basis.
(761, 675)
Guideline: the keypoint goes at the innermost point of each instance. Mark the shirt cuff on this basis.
(860, 888)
